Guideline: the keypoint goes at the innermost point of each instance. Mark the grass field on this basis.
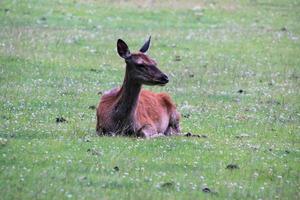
(234, 68)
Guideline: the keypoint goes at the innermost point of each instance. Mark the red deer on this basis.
(133, 111)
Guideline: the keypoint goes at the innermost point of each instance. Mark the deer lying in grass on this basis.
(131, 110)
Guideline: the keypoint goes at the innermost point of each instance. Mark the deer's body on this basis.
(154, 115)
(131, 110)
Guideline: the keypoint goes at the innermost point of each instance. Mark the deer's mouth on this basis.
(163, 80)
(156, 82)
(161, 83)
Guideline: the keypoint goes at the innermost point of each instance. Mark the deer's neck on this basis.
(127, 102)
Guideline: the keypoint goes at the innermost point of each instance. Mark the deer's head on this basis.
(141, 68)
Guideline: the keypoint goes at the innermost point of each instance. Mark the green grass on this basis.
(55, 56)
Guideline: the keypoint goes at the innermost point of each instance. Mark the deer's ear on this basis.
(123, 49)
(146, 46)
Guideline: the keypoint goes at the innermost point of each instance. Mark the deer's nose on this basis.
(164, 78)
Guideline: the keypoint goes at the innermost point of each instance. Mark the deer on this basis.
(130, 110)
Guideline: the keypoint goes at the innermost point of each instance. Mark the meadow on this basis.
(234, 69)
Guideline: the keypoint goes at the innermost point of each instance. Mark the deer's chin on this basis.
(155, 82)
(160, 83)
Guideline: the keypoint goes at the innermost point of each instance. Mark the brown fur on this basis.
(152, 112)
